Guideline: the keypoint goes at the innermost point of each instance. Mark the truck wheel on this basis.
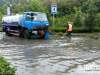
(26, 34)
(21, 34)
(7, 32)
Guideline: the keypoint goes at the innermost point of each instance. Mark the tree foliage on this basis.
(5, 68)
(81, 12)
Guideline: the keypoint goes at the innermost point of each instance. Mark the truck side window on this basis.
(32, 16)
(28, 17)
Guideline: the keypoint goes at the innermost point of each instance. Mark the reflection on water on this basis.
(57, 56)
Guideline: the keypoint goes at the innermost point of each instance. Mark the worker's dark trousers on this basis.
(69, 34)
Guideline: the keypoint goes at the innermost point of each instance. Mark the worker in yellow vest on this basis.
(69, 29)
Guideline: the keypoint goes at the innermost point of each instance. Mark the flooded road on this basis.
(79, 55)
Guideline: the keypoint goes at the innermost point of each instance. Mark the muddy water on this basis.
(57, 56)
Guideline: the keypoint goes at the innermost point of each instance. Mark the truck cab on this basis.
(34, 24)
(33, 20)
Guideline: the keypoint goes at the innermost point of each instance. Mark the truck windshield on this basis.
(36, 17)
(41, 17)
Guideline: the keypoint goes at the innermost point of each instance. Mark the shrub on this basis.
(5, 68)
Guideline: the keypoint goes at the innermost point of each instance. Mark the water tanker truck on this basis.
(27, 25)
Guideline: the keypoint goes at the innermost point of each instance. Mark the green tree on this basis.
(97, 21)
(37, 5)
